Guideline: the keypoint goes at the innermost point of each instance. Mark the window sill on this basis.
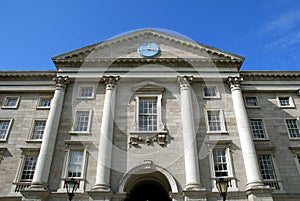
(287, 107)
(261, 139)
(42, 108)
(217, 132)
(79, 133)
(295, 139)
(34, 141)
(252, 107)
(9, 107)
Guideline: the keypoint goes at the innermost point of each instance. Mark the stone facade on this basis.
(129, 127)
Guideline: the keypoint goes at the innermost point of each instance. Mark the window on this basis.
(220, 163)
(11, 102)
(251, 101)
(268, 171)
(28, 168)
(215, 121)
(44, 102)
(82, 121)
(5, 125)
(75, 163)
(210, 92)
(38, 129)
(258, 130)
(293, 128)
(86, 92)
(285, 102)
(148, 114)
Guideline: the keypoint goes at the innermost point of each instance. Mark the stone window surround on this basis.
(17, 184)
(291, 102)
(296, 153)
(81, 87)
(271, 152)
(8, 129)
(7, 98)
(39, 106)
(74, 146)
(222, 144)
(288, 132)
(222, 120)
(30, 139)
(211, 86)
(266, 137)
(73, 131)
(249, 106)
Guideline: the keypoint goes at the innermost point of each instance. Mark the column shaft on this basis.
(247, 145)
(40, 178)
(106, 137)
(189, 135)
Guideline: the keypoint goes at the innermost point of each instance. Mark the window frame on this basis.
(81, 87)
(30, 138)
(222, 121)
(291, 102)
(287, 128)
(251, 106)
(39, 106)
(74, 146)
(7, 98)
(211, 86)
(8, 129)
(73, 130)
(263, 127)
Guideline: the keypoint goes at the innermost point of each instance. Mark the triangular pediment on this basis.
(125, 47)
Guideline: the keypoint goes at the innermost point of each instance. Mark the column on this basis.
(42, 169)
(189, 135)
(252, 169)
(106, 137)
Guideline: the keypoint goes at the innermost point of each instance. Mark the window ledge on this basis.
(79, 132)
(34, 141)
(295, 139)
(287, 107)
(252, 107)
(217, 132)
(260, 139)
(43, 108)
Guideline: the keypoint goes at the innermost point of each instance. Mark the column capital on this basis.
(61, 82)
(184, 81)
(111, 81)
(234, 82)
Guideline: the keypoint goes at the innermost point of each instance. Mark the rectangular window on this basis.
(251, 102)
(214, 120)
(298, 157)
(257, 128)
(210, 92)
(4, 128)
(38, 130)
(220, 163)
(293, 128)
(82, 121)
(28, 168)
(285, 101)
(11, 102)
(86, 92)
(75, 163)
(44, 102)
(268, 171)
(148, 113)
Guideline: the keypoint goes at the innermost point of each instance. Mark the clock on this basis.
(148, 49)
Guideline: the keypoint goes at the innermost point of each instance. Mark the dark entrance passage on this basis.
(148, 191)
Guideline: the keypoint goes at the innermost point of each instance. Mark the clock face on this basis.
(148, 49)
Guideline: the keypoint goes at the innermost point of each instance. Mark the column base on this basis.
(101, 188)
(35, 194)
(193, 186)
(260, 193)
(195, 195)
(100, 195)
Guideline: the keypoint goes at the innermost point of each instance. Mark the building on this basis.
(149, 116)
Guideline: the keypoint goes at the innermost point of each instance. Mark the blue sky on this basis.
(265, 32)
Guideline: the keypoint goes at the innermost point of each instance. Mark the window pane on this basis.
(251, 101)
(220, 163)
(148, 114)
(257, 128)
(28, 169)
(293, 128)
(214, 120)
(11, 102)
(45, 102)
(75, 164)
(210, 91)
(82, 121)
(4, 124)
(266, 167)
(86, 92)
(284, 101)
(38, 131)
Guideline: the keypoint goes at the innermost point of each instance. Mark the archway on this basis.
(152, 186)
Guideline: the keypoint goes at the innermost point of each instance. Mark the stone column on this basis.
(42, 169)
(106, 137)
(189, 135)
(254, 179)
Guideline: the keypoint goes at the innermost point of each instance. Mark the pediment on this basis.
(125, 47)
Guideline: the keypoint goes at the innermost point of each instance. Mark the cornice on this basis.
(267, 75)
(27, 75)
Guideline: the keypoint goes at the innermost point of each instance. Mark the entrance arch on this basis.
(148, 183)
